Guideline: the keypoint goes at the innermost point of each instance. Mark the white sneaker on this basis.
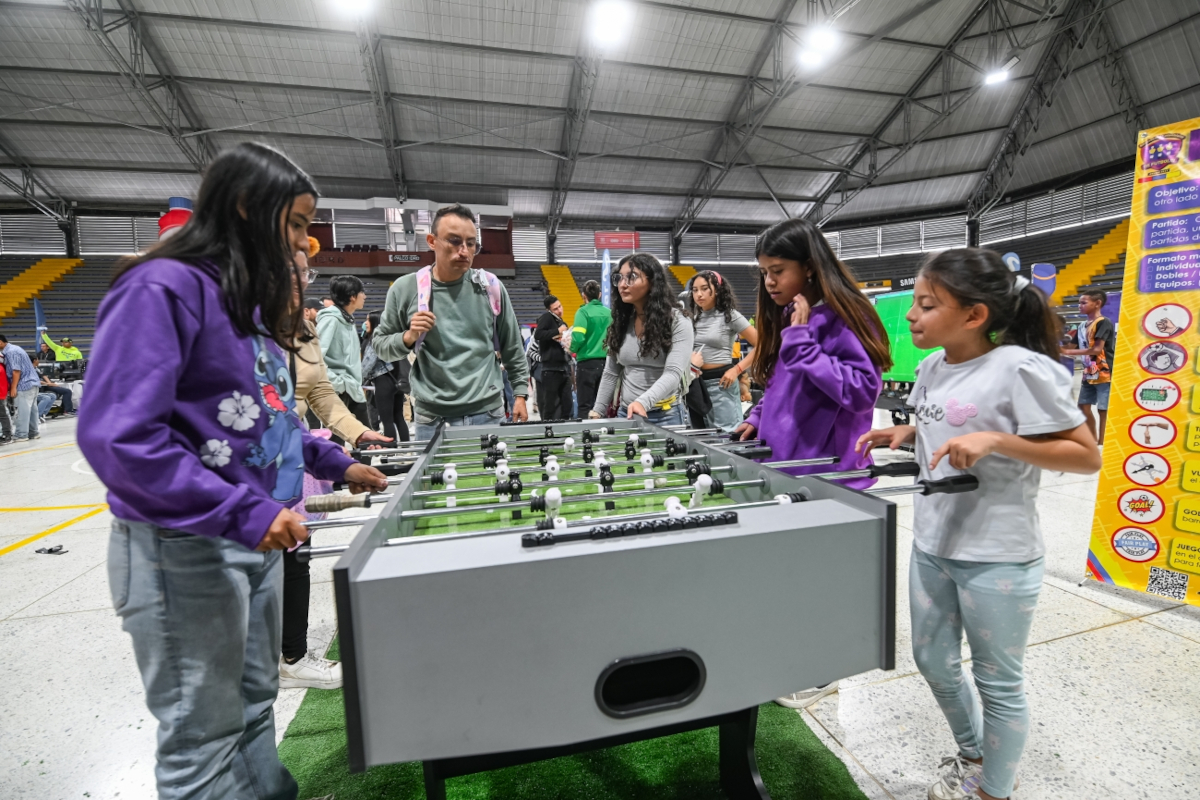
(807, 697)
(959, 782)
(310, 672)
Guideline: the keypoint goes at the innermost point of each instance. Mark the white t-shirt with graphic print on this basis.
(1009, 390)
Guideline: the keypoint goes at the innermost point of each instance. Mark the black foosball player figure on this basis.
(606, 485)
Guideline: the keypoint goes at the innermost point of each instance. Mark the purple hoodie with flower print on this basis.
(203, 437)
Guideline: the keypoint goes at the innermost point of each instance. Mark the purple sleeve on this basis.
(838, 365)
(755, 415)
(125, 426)
(324, 459)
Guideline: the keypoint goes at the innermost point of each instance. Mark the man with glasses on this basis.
(456, 333)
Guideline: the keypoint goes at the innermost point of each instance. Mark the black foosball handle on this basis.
(897, 469)
(955, 484)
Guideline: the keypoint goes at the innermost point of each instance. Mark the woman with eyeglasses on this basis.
(717, 323)
(649, 344)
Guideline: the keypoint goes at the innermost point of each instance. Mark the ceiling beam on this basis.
(141, 48)
(1113, 60)
(869, 148)
(1056, 66)
(30, 184)
(370, 51)
(750, 112)
(585, 73)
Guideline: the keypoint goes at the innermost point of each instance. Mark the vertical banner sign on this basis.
(1146, 532)
(606, 281)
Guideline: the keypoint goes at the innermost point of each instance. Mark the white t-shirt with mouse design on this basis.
(1009, 390)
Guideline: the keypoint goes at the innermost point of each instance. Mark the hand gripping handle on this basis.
(952, 485)
(336, 502)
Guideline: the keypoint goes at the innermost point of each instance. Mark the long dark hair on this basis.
(800, 240)
(258, 270)
(974, 276)
(373, 320)
(726, 301)
(660, 308)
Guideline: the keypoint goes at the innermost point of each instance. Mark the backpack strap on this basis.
(424, 291)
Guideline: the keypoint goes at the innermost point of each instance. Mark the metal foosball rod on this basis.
(953, 485)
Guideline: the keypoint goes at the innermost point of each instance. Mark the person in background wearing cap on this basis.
(65, 350)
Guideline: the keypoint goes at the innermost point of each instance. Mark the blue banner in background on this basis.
(606, 280)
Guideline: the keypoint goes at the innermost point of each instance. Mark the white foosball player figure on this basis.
(552, 468)
(648, 467)
(568, 444)
(699, 489)
(553, 502)
(450, 477)
(675, 508)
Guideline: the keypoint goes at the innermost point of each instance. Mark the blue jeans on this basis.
(27, 417)
(426, 425)
(726, 411)
(677, 415)
(1094, 394)
(994, 603)
(205, 617)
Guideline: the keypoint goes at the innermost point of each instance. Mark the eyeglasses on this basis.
(627, 278)
(310, 275)
(457, 244)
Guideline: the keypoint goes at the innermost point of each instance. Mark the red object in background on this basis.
(175, 218)
(323, 233)
(616, 240)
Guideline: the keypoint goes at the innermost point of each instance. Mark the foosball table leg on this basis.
(435, 784)
(739, 767)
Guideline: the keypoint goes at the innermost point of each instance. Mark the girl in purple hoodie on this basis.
(821, 351)
(203, 455)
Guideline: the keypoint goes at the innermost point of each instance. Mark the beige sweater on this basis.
(313, 390)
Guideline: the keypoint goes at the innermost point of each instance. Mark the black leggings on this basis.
(296, 590)
(389, 401)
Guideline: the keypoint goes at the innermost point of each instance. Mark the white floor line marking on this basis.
(81, 466)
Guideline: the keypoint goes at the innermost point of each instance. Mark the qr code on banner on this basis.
(1165, 583)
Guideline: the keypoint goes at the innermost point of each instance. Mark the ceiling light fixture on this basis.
(356, 8)
(811, 58)
(609, 22)
(1001, 75)
(823, 39)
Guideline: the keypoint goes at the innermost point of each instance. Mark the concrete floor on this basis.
(1112, 673)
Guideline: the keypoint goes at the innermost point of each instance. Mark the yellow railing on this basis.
(1092, 261)
(562, 285)
(16, 293)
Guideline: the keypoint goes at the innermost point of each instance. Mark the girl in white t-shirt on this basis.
(994, 403)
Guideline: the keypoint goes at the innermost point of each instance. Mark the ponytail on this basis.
(1018, 312)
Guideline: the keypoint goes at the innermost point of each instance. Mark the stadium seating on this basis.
(70, 304)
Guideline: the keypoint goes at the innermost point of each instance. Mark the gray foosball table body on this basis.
(466, 645)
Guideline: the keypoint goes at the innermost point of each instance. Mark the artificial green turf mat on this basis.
(794, 765)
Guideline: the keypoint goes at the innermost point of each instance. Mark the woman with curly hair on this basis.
(648, 343)
(716, 323)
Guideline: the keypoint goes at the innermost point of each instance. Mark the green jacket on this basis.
(456, 372)
(62, 353)
(588, 331)
(339, 344)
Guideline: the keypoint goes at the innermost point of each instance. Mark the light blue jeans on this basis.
(677, 415)
(726, 411)
(27, 416)
(994, 603)
(426, 425)
(206, 618)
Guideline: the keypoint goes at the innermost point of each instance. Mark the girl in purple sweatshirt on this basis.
(202, 454)
(821, 351)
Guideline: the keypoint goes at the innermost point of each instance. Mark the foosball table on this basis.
(535, 590)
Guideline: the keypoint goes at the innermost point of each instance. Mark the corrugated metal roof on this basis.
(481, 91)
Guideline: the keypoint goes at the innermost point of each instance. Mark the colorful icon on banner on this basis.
(1166, 321)
(1148, 469)
(1162, 358)
(1141, 505)
(1152, 431)
(1157, 394)
(1162, 151)
(1012, 261)
(1135, 544)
